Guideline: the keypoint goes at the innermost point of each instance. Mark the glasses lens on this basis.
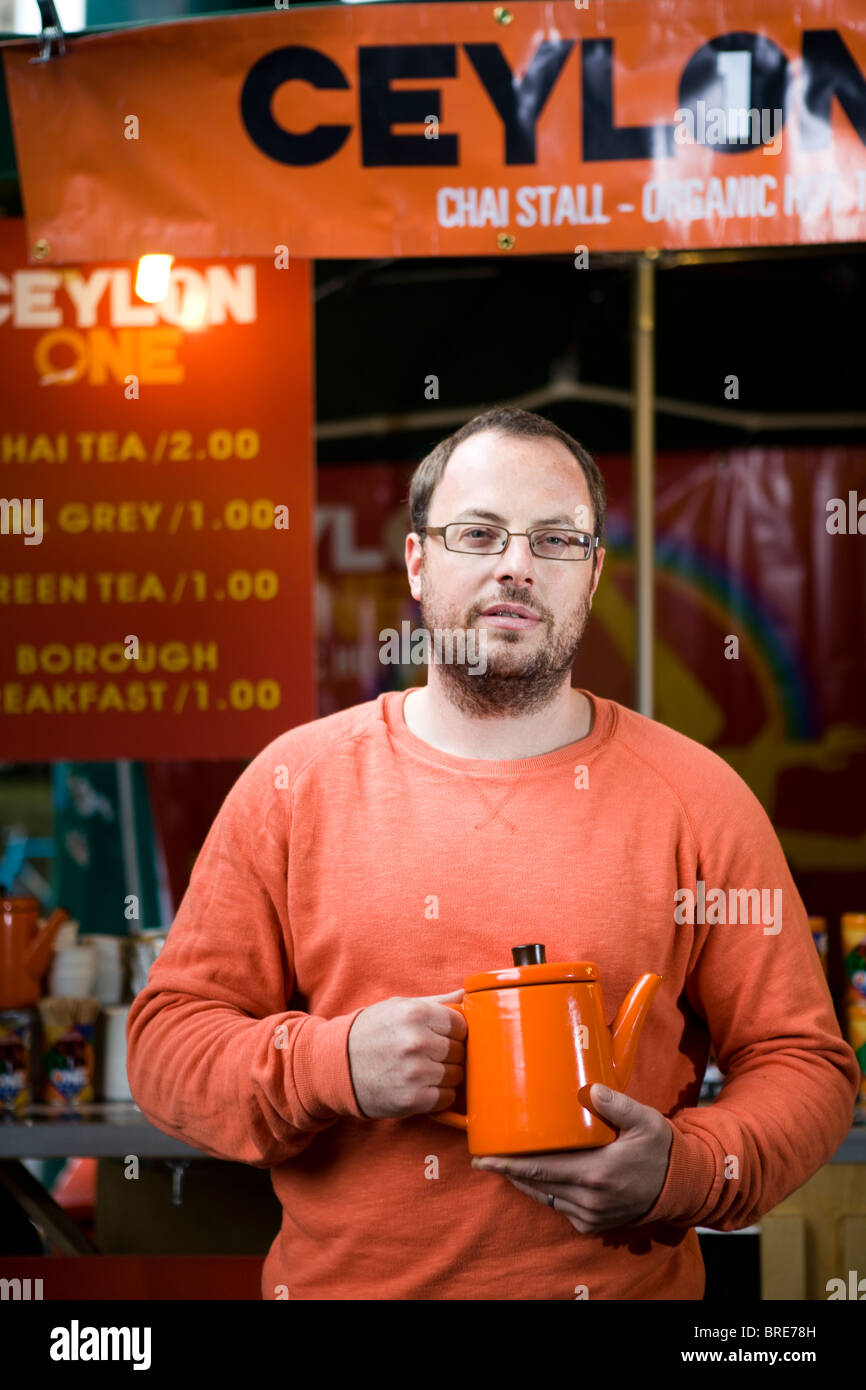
(561, 545)
(474, 537)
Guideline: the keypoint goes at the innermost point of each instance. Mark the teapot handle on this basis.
(452, 1117)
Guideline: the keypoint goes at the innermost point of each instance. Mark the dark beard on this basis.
(525, 688)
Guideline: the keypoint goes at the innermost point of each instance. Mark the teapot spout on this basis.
(627, 1026)
(39, 955)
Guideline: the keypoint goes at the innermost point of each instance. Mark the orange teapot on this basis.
(536, 1042)
(25, 949)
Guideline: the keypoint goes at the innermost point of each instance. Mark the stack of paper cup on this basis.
(67, 935)
(113, 1081)
(108, 979)
(72, 972)
(144, 949)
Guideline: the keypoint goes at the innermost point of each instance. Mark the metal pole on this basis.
(643, 456)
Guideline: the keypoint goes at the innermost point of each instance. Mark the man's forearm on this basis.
(734, 1160)
(255, 1091)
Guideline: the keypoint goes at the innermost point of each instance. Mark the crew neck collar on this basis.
(602, 725)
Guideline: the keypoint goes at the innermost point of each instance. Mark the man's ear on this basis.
(413, 554)
(598, 554)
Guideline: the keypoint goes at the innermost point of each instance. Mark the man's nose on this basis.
(517, 561)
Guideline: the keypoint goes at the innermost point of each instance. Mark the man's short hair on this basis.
(508, 420)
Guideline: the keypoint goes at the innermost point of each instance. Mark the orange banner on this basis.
(448, 129)
(156, 523)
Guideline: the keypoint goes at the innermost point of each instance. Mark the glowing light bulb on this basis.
(151, 282)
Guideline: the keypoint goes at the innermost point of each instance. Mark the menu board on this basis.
(156, 533)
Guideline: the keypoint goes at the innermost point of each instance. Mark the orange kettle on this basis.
(25, 949)
(536, 1041)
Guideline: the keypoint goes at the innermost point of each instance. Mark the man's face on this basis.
(519, 484)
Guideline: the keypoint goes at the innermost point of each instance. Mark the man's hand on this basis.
(406, 1056)
(603, 1187)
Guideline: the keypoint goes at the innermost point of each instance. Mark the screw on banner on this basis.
(505, 241)
(178, 1168)
(502, 16)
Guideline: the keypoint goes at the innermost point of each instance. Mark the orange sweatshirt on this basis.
(352, 862)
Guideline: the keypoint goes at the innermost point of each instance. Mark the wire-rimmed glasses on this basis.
(477, 538)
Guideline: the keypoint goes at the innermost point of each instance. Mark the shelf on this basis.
(106, 1130)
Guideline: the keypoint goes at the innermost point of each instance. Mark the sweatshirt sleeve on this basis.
(214, 1057)
(791, 1080)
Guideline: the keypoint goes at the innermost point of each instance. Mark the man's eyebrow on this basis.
(561, 520)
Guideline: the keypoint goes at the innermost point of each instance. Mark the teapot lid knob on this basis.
(529, 955)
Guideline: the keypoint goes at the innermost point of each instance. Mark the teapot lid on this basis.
(532, 968)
